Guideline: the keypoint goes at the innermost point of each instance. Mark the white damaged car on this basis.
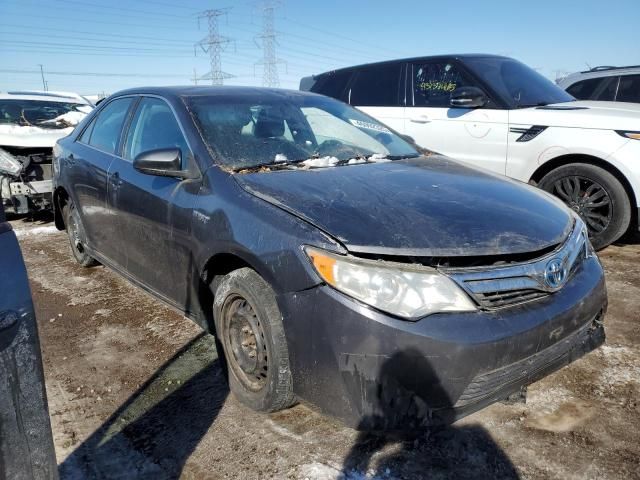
(30, 125)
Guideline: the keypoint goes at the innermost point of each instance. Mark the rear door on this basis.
(474, 135)
(86, 167)
(379, 91)
(154, 212)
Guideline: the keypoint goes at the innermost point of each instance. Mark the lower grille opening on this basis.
(507, 298)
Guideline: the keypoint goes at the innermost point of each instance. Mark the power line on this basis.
(95, 74)
(269, 42)
(214, 44)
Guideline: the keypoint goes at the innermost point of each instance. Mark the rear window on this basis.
(595, 89)
(333, 84)
(376, 86)
(629, 89)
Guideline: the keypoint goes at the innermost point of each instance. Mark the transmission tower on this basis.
(214, 44)
(268, 43)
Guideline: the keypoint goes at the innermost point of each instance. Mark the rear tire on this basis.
(249, 327)
(75, 230)
(596, 195)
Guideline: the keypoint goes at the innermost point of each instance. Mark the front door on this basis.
(154, 212)
(474, 135)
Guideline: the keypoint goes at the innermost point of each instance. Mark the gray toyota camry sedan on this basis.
(334, 261)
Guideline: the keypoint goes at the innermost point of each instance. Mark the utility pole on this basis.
(44, 84)
(214, 44)
(268, 42)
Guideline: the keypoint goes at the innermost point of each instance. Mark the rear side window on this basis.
(434, 82)
(594, 89)
(376, 86)
(105, 130)
(333, 84)
(629, 89)
(154, 127)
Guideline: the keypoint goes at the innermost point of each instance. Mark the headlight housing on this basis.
(407, 291)
(629, 134)
(8, 164)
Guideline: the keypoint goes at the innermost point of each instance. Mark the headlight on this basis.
(402, 290)
(629, 134)
(8, 164)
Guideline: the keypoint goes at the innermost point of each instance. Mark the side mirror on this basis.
(468, 97)
(164, 162)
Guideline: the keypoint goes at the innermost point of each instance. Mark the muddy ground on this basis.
(136, 391)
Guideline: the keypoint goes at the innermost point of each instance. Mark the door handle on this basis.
(71, 160)
(420, 119)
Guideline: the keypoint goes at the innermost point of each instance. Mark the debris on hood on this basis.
(322, 162)
(69, 119)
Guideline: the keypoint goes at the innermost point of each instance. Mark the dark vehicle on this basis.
(497, 113)
(316, 244)
(26, 443)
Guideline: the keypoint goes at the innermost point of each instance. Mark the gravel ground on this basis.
(136, 391)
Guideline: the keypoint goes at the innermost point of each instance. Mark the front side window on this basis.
(516, 84)
(433, 83)
(255, 130)
(376, 86)
(106, 128)
(629, 89)
(154, 127)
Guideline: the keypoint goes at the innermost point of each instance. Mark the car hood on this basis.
(31, 136)
(429, 206)
(581, 114)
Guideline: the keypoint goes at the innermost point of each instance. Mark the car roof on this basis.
(415, 59)
(41, 96)
(211, 91)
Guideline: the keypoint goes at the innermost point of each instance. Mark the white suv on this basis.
(498, 114)
(611, 84)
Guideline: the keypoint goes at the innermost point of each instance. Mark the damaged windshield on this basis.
(255, 131)
(41, 113)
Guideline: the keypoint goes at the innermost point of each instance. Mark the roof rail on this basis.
(602, 68)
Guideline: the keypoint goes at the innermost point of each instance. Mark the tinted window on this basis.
(376, 86)
(86, 135)
(106, 128)
(518, 85)
(332, 84)
(629, 89)
(584, 89)
(434, 82)
(153, 127)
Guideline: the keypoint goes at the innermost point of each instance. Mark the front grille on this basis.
(536, 366)
(508, 298)
(513, 284)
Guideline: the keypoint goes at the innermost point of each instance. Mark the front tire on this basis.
(249, 327)
(75, 231)
(596, 195)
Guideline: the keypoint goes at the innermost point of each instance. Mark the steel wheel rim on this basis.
(587, 198)
(245, 343)
(75, 236)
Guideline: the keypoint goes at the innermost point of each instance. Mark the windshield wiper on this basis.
(529, 105)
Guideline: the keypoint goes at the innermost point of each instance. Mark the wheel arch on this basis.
(60, 199)
(554, 163)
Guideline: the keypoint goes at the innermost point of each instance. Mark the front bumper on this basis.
(375, 371)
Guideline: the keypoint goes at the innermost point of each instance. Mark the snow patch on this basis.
(281, 158)
(320, 162)
(322, 471)
(378, 158)
(37, 231)
(66, 119)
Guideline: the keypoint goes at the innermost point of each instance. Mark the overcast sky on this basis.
(96, 42)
